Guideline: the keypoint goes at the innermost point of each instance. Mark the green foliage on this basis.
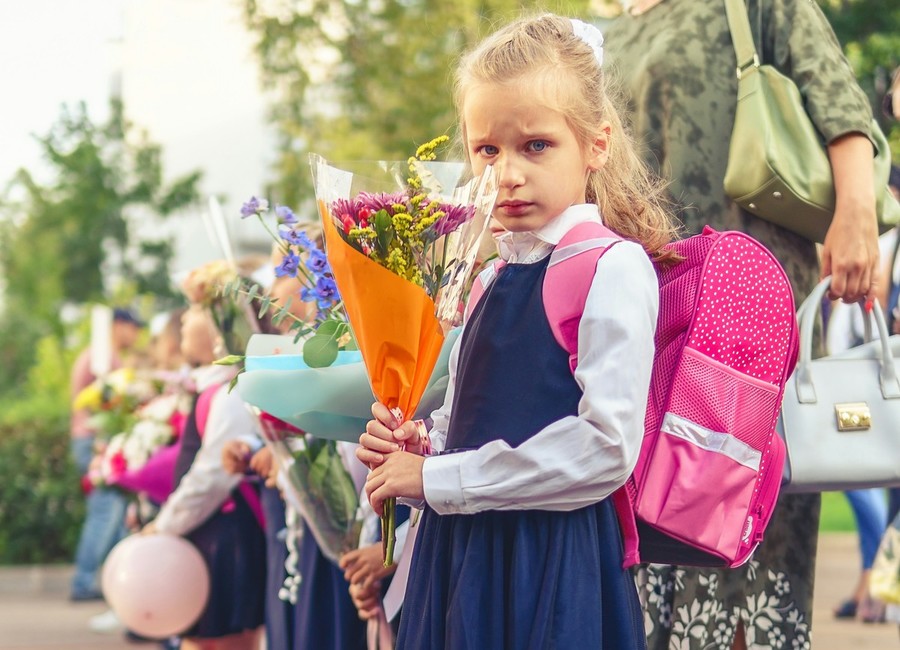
(365, 79)
(62, 241)
(41, 504)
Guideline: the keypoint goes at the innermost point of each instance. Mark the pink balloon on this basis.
(157, 585)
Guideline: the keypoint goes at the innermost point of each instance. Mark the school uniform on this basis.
(519, 546)
(208, 509)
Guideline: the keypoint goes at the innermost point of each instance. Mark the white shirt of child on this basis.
(581, 459)
(206, 485)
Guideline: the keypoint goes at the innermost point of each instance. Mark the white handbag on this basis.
(840, 419)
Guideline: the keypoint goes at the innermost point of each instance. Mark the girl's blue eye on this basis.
(537, 145)
(489, 150)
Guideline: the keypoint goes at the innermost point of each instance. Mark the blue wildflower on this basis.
(289, 265)
(326, 291)
(253, 207)
(317, 262)
(285, 215)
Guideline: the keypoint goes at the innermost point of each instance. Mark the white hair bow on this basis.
(590, 35)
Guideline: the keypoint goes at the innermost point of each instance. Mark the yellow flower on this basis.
(90, 397)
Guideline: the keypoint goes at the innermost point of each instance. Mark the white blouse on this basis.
(580, 459)
(206, 485)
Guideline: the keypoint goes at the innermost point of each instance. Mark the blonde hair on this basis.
(564, 74)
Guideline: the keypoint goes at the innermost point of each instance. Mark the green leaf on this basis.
(230, 360)
(264, 307)
(320, 351)
(252, 293)
(332, 328)
(384, 231)
(233, 383)
(280, 315)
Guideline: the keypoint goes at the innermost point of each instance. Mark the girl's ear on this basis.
(598, 153)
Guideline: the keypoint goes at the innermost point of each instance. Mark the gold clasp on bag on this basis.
(853, 416)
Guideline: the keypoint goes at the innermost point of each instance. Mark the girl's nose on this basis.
(509, 173)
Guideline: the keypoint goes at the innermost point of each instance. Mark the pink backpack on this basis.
(710, 465)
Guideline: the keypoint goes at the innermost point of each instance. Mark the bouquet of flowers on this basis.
(315, 382)
(327, 332)
(402, 239)
(113, 399)
(142, 459)
(319, 486)
(215, 286)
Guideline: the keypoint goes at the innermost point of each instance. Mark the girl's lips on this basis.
(514, 208)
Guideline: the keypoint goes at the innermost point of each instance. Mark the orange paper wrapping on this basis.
(392, 319)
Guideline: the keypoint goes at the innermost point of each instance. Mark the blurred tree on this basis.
(366, 79)
(61, 242)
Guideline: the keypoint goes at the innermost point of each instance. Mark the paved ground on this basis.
(35, 615)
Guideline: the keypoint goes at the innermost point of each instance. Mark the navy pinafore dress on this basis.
(233, 546)
(517, 579)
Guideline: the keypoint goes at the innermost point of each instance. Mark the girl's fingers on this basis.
(378, 443)
(383, 414)
(378, 430)
(359, 576)
(407, 431)
(348, 559)
(368, 457)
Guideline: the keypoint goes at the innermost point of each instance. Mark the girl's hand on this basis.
(263, 464)
(400, 475)
(385, 435)
(235, 456)
(149, 529)
(365, 566)
(366, 600)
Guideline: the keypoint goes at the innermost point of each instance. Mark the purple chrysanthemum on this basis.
(454, 217)
(341, 207)
(380, 201)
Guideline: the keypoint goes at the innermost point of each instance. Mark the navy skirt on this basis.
(529, 579)
(325, 617)
(234, 547)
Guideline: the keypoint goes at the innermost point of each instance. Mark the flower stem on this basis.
(389, 530)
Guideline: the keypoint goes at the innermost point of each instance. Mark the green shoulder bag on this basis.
(778, 167)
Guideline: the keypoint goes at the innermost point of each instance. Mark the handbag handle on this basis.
(806, 391)
(741, 36)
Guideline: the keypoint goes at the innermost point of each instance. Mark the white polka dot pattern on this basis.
(745, 311)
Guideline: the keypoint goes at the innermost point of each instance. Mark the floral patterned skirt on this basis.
(770, 596)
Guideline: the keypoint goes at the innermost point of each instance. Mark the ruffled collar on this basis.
(534, 245)
(206, 376)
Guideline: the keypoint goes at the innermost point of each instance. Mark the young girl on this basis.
(209, 507)
(519, 546)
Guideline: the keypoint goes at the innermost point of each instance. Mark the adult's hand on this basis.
(850, 253)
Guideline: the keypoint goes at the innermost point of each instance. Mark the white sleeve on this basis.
(206, 485)
(580, 459)
(440, 418)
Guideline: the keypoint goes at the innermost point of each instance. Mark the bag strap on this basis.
(481, 284)
(741, 36)
(250, 495)
(570, 273)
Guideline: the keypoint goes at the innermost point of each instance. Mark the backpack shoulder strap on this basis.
(568, 280)
(203, 404)
(250, 495)
(481, 284)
